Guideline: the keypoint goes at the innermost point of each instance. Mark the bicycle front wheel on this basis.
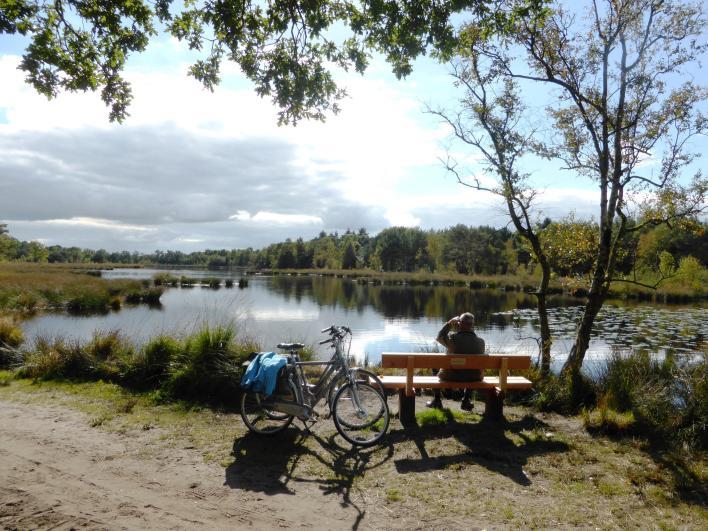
(360, 414)
(360, 375)
(261, 419)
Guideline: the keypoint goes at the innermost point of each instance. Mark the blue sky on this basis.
(191, 170)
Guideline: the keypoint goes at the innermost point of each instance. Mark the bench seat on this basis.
(495, 386)
(433, 382)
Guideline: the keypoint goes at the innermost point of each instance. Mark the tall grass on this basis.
(663, 400)
(11, 338)
(205, 366)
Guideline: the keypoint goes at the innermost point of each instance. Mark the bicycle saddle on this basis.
(291, 346)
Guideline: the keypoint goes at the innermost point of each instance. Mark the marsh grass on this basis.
(205, 366)
(34, 287)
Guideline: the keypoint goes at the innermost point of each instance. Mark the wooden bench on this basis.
(496, 386)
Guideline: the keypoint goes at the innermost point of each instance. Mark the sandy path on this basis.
(56, 472)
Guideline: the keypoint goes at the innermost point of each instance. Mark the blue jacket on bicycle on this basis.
(262, 373)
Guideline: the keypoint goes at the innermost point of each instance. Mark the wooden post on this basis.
(410, 367)
(406, 408)
(494, 405)
(503, 373)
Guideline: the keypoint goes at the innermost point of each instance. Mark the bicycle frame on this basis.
(307, 395)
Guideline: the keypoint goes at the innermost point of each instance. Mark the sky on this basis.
(191, 170)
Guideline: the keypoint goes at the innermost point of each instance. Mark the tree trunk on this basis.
(596, 297)
(546, 340)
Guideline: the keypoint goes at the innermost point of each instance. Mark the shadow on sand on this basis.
(273, 465)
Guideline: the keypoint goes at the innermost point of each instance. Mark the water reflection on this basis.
(383, 318)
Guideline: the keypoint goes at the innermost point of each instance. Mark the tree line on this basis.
(570, 245)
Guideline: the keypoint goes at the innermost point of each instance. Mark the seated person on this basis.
(461, 341)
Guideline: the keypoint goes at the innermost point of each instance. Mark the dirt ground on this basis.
(60, 473)
(60, 468)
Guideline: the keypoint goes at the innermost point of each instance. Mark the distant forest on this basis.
(459, 249)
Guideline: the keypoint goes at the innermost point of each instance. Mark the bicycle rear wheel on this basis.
(259, 418)
(360, 414)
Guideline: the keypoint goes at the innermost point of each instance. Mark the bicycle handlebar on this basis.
(325, 341)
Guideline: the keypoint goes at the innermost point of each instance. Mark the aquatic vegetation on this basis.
(212, 282)
(34, 287)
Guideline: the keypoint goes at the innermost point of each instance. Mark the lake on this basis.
(384, 318)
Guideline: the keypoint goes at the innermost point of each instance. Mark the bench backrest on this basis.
(416, 360)
(400, 360)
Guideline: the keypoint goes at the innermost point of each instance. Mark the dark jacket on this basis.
(462, 342)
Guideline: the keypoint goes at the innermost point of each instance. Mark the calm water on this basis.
(383, 318)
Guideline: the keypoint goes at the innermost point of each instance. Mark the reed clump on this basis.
(205, 366)
(11, 338)
(662, 400)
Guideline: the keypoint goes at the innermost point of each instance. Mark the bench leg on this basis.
(406, 408)
(494, 405)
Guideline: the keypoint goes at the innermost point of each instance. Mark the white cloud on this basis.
(295, 219)
(241, 215)
(97, 223)
(191, 167)
(274, 217)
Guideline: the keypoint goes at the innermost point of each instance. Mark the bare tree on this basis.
(625, 114)
(489, 121)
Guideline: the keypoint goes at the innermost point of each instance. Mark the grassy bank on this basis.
(662, 401)
(204, 366)
(28, 287)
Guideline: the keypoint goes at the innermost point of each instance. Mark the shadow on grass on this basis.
(271, 464)
(487, 444)
(677, 470)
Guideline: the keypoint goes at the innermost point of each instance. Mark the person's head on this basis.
(466, 321)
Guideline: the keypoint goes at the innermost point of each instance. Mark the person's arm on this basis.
(443, 337)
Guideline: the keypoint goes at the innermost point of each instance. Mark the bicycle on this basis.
(354, 396)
